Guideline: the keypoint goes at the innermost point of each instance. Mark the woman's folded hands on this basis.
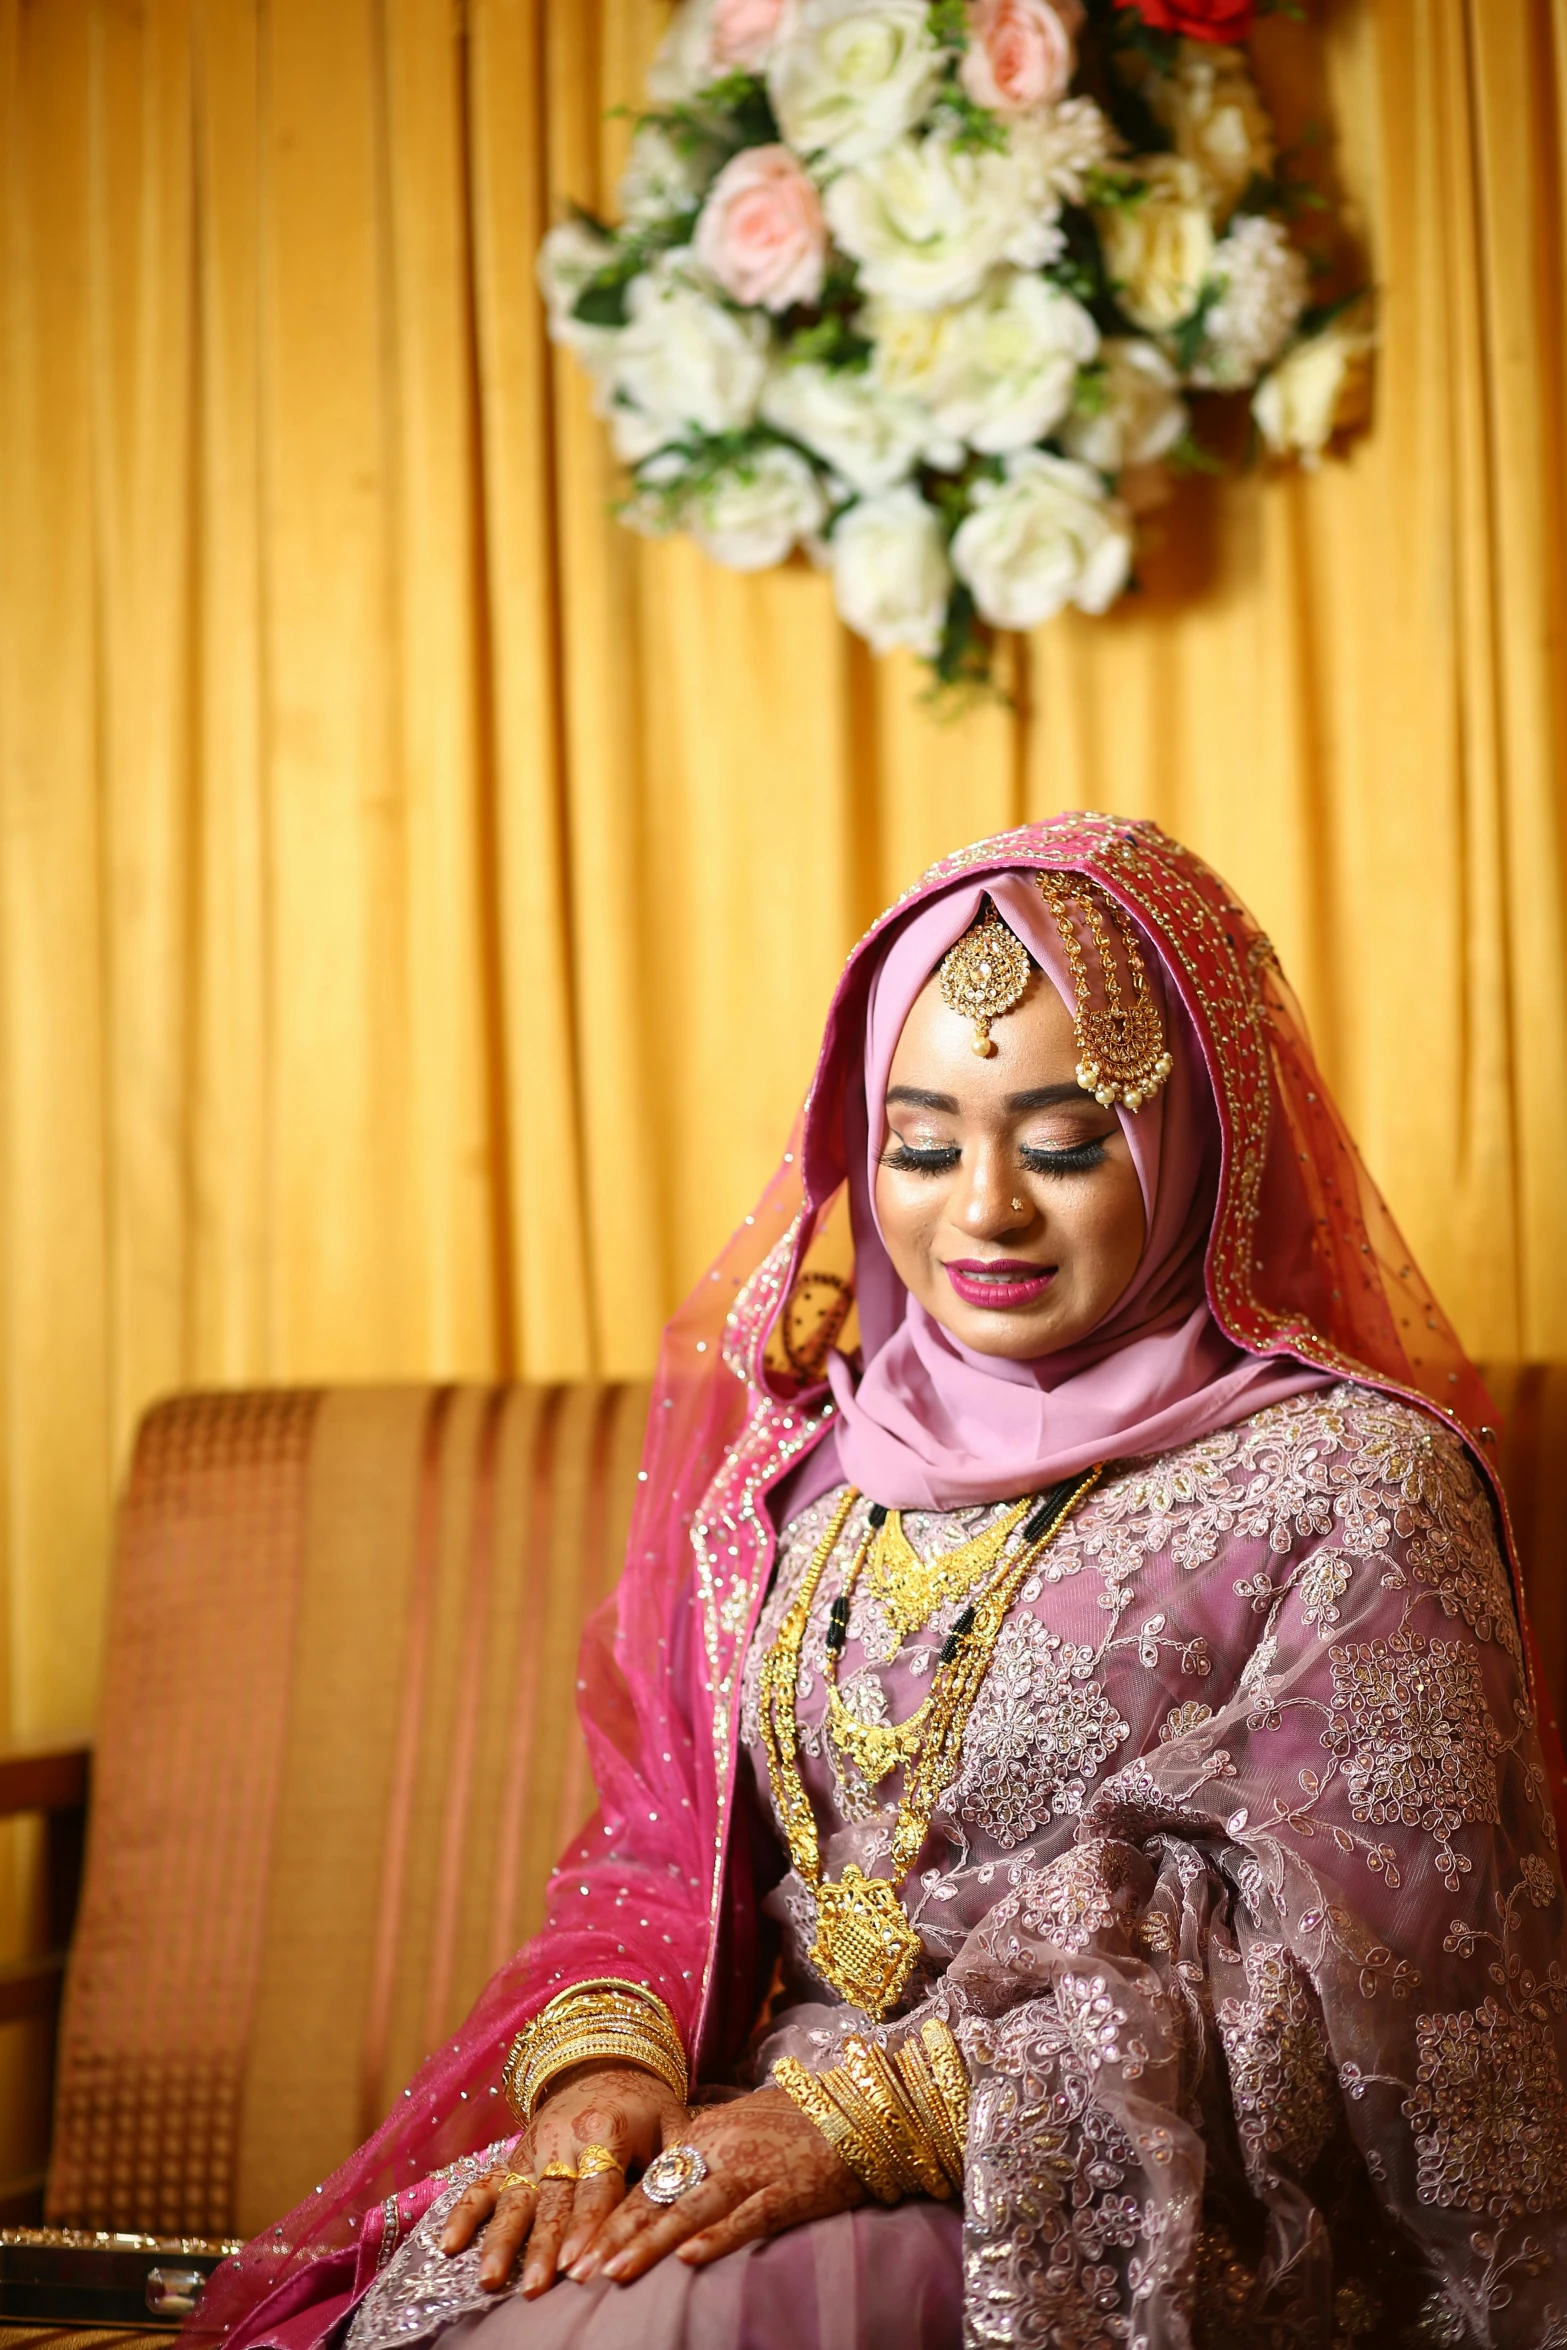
(767, 2168)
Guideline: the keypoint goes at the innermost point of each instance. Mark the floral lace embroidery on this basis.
(1050, 2196)
(1488, 2112)
(1418, 1746)
(1281, 2080)
(1075, 1897)
(1038, 1733)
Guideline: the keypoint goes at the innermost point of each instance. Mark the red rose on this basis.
(1198, 20)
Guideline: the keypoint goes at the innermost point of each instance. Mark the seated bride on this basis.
(1075, 1860)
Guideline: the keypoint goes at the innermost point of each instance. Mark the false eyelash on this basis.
(911, 1162)
(1075, 1161)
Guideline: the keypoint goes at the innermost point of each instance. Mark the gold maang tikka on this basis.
(984, 975)
(1121, 1050)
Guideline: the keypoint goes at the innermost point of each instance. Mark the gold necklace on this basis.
(910, 1596)
(910, 1589)
(865, 1945)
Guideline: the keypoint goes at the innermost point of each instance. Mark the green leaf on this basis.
(948, 22)
(1091, 391)
(1188, 338)
(1189, 456)
(831, 341)
(602, 302)
(737, 105)
(1103, 191)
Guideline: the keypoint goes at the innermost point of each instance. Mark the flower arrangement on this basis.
(921, 285)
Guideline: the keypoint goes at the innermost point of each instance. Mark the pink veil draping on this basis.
(1304, 1262)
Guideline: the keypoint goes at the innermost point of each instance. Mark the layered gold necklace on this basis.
(909, 1590)
(865, 1945)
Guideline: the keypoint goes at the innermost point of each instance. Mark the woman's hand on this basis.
(768, 2168)
(620, 2106)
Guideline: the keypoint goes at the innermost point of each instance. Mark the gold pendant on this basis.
(865, 1946)
(875, 1748)
(909, 1589)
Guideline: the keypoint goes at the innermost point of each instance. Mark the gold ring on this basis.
(519, 2178)
(558, 2170)
(593, 2161)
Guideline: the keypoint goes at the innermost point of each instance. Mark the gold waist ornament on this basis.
(865, 1945)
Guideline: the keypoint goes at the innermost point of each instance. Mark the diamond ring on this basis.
(669, 2175)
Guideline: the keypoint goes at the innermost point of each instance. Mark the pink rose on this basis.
(761, 233)
(1019, 54)
(743, 32)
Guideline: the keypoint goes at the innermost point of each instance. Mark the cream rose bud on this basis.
(761, 233)
(847, 77)
(1263, 283)
(928, 220)
(1138, 415)
(684, 357)
(1020, 54)
(1315, 388)
(1045, 536)
(1008, 362)
(890, 572)
(871, 437)
(1158, 244)
(755, 512)
(1212, 109)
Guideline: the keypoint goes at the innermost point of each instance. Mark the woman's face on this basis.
(1007, 1197)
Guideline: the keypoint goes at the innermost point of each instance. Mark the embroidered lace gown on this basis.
(1244, 1906)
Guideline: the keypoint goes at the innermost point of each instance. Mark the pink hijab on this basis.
(930, 1424)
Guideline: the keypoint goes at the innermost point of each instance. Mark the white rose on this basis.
(890, 572)
(1158, 246)
(568, 258)
(847, 77)
(870, 436)
(1045, 536)
(1314, 389)
(1139, 415)
(1212, 109)
(666, 172)
(683, 62)
(1263, 283)
(927, 220)
(999, 370)
(684, 358)
(752, 514)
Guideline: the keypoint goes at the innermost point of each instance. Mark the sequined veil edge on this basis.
(658, 1679)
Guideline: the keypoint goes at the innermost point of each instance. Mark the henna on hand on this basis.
(618, 2106)
(769, 2168)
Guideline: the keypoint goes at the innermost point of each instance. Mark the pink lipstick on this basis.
(998, 1282)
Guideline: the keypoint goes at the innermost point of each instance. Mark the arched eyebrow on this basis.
(916, 1098)
(1047, 1097)
(1037, 1097)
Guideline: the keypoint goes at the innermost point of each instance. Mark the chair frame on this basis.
(51, 1781)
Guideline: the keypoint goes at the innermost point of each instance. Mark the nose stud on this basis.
(1017, 1207)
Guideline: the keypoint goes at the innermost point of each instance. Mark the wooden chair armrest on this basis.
(43, 1778)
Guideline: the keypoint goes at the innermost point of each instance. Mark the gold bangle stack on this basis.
(606, 2020)
(899, 2122)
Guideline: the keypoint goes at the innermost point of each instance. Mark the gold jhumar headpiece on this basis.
(984, 975)
(1121, 1051)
